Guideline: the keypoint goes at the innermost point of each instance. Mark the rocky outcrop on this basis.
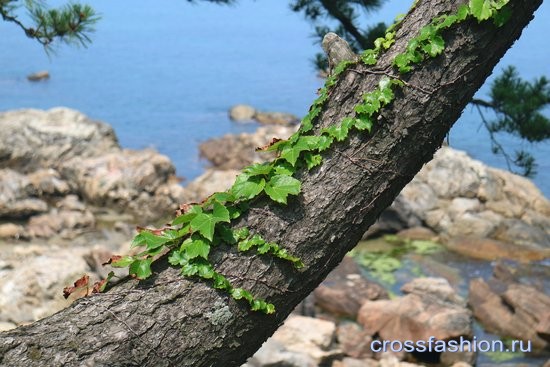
(344, 290)
(237, 151)
(47, 155)
(511, 309)
(35, 139)
(457, 196)
(246, 113)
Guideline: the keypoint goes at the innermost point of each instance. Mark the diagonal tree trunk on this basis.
(171, 321)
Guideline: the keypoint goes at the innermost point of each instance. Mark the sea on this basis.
(165, 73)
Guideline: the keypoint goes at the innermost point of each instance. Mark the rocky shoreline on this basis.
(70, 197)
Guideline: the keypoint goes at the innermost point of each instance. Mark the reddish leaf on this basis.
(112, 259)
(266, 147)
(79, 283)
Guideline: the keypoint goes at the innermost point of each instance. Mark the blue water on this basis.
(165, 74)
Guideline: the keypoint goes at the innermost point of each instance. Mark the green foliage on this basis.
(71, 23)
(518, 106)
(202, 226)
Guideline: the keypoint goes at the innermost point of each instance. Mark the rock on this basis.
(16, 200)
(11, 230)
(238, 151)
(65, 223)
(394, 219)
(430, 309)
(488, 249)
(48, 182)
(512, 309)
(209, 182)
(34, 139)
(71, 202)
(353, 340)
(344, 290)
(39, 75)
(300, 341)
(276, 118)
(417, 234)
(117, 179)
(5, 326)
(457, 196)
(31, 287)
(354, 362)
(242, 113)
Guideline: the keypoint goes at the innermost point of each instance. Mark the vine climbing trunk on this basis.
(169, 320)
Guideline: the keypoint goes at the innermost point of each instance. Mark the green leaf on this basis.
(340, 133)
(220, 282)
(363, 123)
(481, 9)
(292, 153)
(258, 169)
(435, 46)
(325, 141)
(312, 160)
(141, 269)
(189, 269)
(462, 12)
(204, 224)
(241, 233)
(369, 57)
(220, 212)
(177, 257)
(502, 16)
(197, 247)
(269, 308)
(284, 168)
(279, 187)
(239, 293)
(227, 234)
(223, 197)
(247, 187)
(123, 262)
(187, 217)
(151, 240)
(205, 270)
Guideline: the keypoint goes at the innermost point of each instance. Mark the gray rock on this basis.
(276, 118)
(242, 113)
(64, 223)
(33, 139)
(209, 182)
(16, 196)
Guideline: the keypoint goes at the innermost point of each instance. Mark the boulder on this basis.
(511, 309)
(430, 309)
(32, 280)
(39, 75)
(237, 151)
(301, 342)
(353, 340)
(210, 182)
(276, 118)
(344, 290)
(60, 222)
(457, 196)
(34, 139)
(17, 199)
(48, 182)
(242, 113)
(118, 179)
(489, 249)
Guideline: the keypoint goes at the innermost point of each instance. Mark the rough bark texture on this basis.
(171, 321)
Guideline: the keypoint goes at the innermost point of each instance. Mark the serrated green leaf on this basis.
(247, 187)
(258, 169)
(279, 187)
(481, 9)
(123, 262)
(227, 234)
(220, 282)
(312, 160)
(205, 270)
(369, 57)
(292, 153)
(283, 168)
(385, 82)
(189, 269)
(141, 269)
(363, 123)
(269, 308)
(177, 257)
(153, 241)
(223, 197)
(220, 212)
(204, 224)
(241, 233)
(196, 247)
(462, 12)
(435, 46)
(325, 142)
(188, 216)
(264, 248)
(502, 16)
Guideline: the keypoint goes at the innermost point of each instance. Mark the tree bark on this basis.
(173, 321)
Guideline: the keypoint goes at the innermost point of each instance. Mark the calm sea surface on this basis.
(165, 73)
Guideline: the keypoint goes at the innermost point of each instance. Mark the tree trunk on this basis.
(173, 321)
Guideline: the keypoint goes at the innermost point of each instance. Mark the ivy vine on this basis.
(200, 227)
